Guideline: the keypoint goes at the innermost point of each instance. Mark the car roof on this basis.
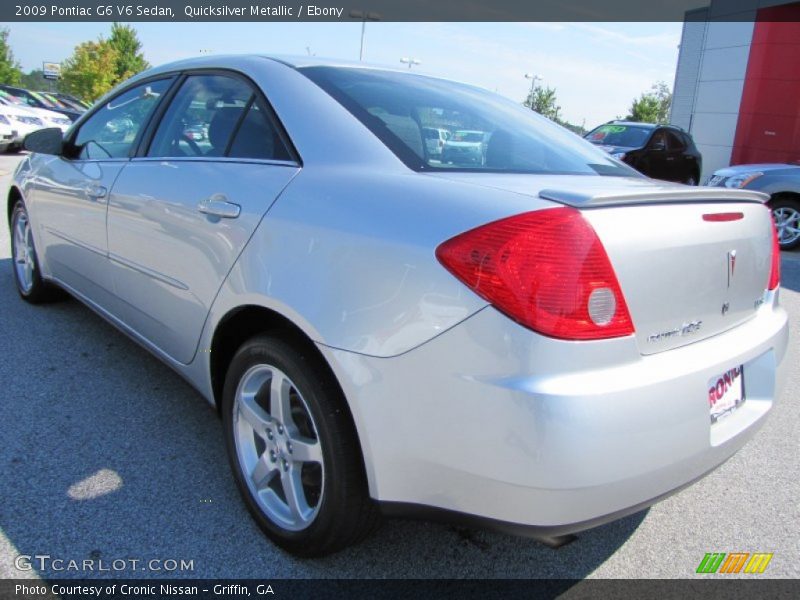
(237, 61)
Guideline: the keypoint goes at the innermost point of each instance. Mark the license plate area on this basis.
(725, 393)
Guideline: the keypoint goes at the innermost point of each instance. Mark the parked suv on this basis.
(435, 139)
(659, 151)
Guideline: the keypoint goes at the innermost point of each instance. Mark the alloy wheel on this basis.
(277, 447)
(787, 222)
(24, 254)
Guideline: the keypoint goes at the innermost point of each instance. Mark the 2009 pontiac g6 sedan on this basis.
(539, 341)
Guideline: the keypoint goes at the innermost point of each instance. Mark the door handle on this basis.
(219, 206)
(95, 192)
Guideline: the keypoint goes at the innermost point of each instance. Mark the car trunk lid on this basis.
(691, 262)
(688, 271)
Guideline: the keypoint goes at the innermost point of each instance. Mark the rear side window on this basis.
(257, 137)
(217, 116)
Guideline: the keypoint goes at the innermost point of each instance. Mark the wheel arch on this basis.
(784, 195)
(243, 322)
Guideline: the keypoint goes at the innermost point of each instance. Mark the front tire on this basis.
(25, 263)
(786, 212)
(293, 449)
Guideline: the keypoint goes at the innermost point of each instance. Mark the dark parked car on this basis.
(36, 100)
(659, 151)
(781, 182)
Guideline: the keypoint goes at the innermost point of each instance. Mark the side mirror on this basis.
(45, 141)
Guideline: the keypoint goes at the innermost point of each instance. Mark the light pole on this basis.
(534, 79)
(364, 16)
(410, 62)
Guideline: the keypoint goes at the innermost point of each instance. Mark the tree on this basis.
(130, 59)
(9, 67)
(543, 101)
(91, 70)
(96, 67)
(652, 106)
(34, 80)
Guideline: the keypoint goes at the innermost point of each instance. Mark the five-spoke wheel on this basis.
(278, 447)
(293, 447)
(27, 275)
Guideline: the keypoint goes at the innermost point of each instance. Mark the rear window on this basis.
(620, 135)
(484, 131)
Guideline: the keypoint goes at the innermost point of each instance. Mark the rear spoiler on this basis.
(676, 195)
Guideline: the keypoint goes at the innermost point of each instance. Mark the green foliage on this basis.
(91, 70)
(33, 80)
(9, 67)
(130, 59)
(543, 101)
(96, 67)
(652, 106)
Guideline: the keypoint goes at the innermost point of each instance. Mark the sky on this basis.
(597, 69)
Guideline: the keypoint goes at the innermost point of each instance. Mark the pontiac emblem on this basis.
(725, 308)
(731, 266)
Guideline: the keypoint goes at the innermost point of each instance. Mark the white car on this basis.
(49, 118)
(22, 121)
(6, 133)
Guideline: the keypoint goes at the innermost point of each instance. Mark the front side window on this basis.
(483, 131)
(113, 129)
(217, 116)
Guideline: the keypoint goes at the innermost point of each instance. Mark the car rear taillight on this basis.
(775, 267)
(547, 270)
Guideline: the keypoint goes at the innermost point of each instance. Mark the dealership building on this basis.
(737, 84)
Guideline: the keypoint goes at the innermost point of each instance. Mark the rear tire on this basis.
(786, 212)
(293, 449)
(25, 263)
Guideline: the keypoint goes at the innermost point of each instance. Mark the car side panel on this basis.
(71, 223)
(168, 259)
(356, 269)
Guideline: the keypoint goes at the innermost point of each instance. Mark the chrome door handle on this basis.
(219, 206)
(95, 192)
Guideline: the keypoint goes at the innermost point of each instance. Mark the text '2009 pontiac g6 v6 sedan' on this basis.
(541, 340)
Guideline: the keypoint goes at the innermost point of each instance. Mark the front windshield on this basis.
(53, 100)
(629, 136)
(11, 99)
(484, 131)
(43, 100)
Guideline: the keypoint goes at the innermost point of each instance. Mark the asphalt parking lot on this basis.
(106, 453)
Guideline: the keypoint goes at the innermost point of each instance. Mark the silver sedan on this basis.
(541, 341)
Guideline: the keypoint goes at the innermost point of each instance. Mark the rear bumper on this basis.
(491, 420)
